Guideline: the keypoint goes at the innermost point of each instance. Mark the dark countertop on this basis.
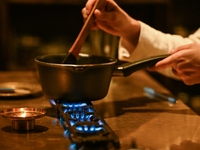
(148, 123)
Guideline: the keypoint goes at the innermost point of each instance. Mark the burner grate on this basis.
(84, 124)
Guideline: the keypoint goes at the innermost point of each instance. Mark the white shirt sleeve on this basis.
(154, 42)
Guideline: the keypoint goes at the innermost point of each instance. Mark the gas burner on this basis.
(84, 124)
(88, 127)
(23, 118)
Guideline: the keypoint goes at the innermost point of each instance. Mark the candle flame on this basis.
(23, 114)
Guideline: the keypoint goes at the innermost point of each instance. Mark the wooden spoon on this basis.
(73, 53)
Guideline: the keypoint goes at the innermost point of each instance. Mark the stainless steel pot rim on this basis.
(37, 59)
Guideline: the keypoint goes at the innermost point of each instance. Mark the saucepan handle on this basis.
(127, 69)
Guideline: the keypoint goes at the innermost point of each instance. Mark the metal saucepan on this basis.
(87, 80)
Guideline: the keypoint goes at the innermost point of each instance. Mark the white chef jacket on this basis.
(154, 42)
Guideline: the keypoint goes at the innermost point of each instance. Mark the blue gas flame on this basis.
(74, 105)
(79, 112)
(86, 128)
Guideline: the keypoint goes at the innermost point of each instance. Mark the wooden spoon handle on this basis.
(76, 47)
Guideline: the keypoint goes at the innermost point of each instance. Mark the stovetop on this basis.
(149, 123)
(84, 125)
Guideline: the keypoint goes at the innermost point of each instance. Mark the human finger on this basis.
(188, 77)
(183, 47)
(109, 14)
(84, 14)
(185, 65)
(182, 76)
(183, 73)
(176, 73)
(190, 81)
(104, 20)
(163, 64)
(89, 5)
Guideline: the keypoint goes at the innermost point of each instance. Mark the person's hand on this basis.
(114, 20)
(185, 63)
(186, 145)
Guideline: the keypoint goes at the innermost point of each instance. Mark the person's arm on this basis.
(154, 42)
(138, 40)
